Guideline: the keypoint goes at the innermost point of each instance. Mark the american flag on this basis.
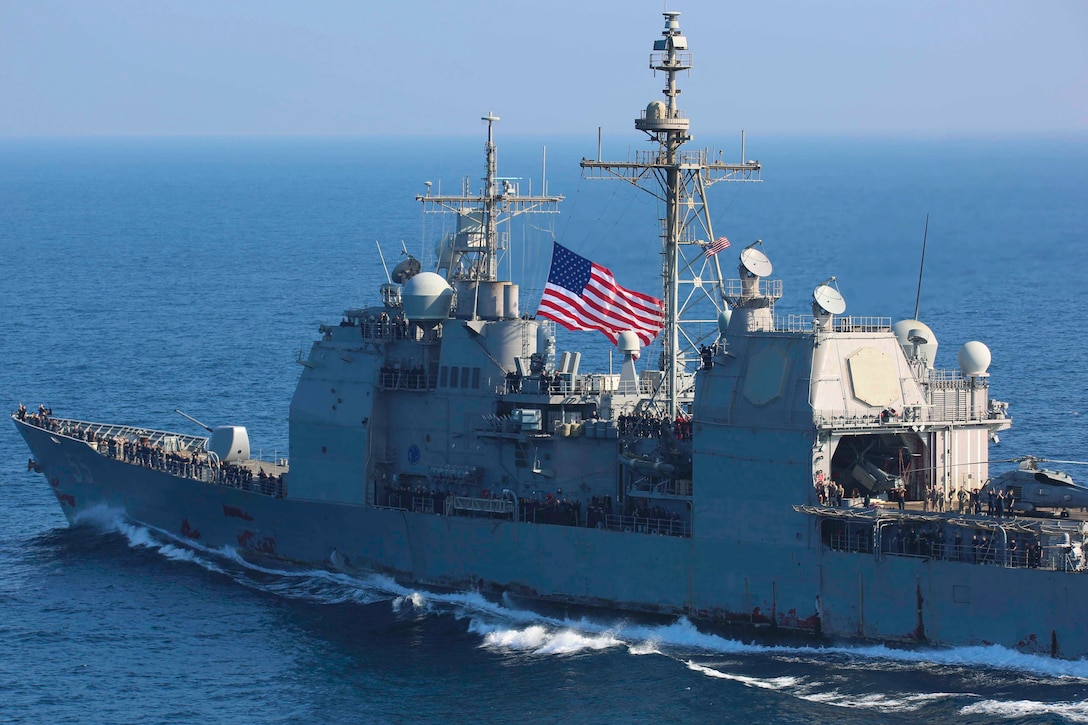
(716, 246)
(581, 295)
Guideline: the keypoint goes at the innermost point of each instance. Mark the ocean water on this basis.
(147, 275)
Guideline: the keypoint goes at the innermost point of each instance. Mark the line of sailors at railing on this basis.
(41, 419)
(999, 503)
(380, 326)
(980, 548)
(195, 465)
(143, 452)
(971, 546)
(648, 426)
(414, 378)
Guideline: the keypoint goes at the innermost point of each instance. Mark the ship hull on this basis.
(835, 595)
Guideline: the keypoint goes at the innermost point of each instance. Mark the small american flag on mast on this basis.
(581, 295)
(716, 246)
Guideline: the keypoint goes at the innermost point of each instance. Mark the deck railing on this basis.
(179, 455)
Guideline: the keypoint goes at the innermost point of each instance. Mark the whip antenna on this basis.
(918, 297)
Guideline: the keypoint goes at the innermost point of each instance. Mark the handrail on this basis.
(78, 429)
(647, 525)
(163, 451)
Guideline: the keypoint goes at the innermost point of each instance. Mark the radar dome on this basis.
(974, 358)
(443, 251)
(426, 298)
(655, 110)
(916, 338)
(628, 343)
(723, 320)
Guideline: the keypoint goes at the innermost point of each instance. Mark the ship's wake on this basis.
(863, 677)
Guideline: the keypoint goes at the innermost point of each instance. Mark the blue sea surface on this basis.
(145, 275)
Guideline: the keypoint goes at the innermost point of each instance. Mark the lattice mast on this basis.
(680, 180)
(495, 204)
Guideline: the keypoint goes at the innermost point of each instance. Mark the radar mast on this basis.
(691, 280)
(482, 213)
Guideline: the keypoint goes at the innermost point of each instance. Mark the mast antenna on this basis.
(384, 265)
(691, 281)
(918, 297)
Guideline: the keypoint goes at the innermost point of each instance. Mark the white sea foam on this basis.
(543, 634)
(771, 683)
(879, 701)
(1070, 711)
(178, 553)
(416, 600)
(317, 585)
(986, 656)
(101, 516)
(529, 638)
(813, 691)
(681, 638)
(543, 640)
(644, 648)
(673, 639)
(139, 536)
(502, 625)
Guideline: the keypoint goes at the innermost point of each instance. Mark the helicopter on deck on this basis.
(1035, 491)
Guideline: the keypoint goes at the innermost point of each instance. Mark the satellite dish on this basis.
(829, 299)
(755, 262)
(405, 270)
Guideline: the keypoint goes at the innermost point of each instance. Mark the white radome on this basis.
(628, 343)
(926, 341)
(974, 358)
(426, 297)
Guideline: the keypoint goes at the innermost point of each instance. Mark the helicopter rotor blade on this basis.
(1037, 459)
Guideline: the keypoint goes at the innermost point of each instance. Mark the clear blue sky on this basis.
(347, 67)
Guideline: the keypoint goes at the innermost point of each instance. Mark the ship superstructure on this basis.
(812, 473)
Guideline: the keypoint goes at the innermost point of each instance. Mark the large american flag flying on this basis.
(581, 295)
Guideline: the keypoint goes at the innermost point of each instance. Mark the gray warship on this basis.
(808, 473)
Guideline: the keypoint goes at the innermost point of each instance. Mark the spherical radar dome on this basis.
(911, 333)
(974, 358)
(628, 343)
(426, 297)
(656, 110)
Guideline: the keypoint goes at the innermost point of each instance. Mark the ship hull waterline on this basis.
(857, 597)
